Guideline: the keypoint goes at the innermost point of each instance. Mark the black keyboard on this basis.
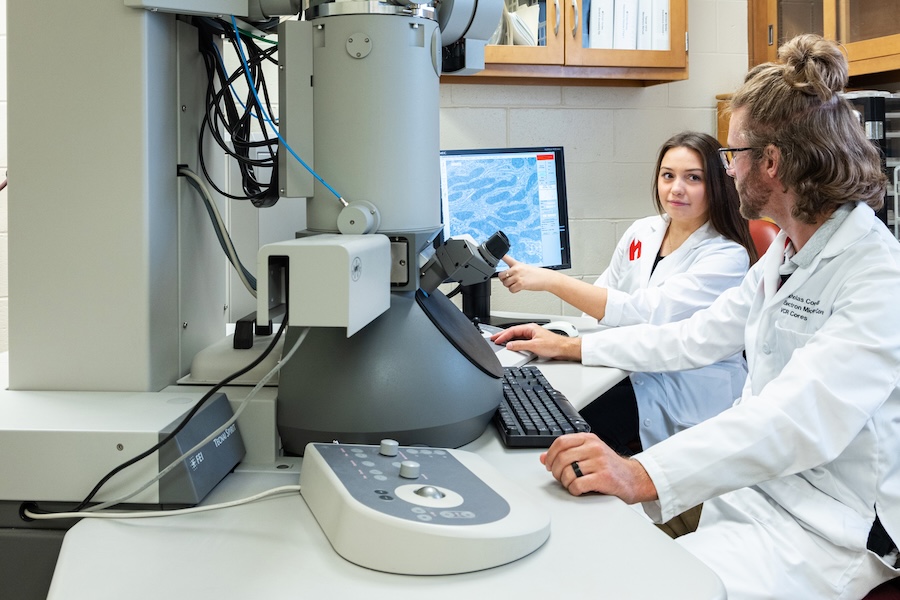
(533, 413)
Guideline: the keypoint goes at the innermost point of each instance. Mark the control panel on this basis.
(418, 510)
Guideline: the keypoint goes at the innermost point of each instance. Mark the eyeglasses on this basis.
(727, 155)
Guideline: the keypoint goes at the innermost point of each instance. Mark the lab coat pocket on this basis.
(786, 341)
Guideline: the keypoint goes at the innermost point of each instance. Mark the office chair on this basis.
(763, 233)
(889, 590)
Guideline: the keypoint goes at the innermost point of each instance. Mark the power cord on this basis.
(32, 510)
(146, 514)
(231, 127)
(225, 242)
(244, 403)
(84, 503)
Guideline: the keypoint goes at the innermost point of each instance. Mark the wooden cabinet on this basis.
(563, 53)
(868, 29)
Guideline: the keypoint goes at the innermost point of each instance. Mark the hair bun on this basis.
(814, 65)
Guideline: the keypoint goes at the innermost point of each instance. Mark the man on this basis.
(800, 480)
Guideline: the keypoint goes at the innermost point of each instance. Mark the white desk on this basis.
(598, 546)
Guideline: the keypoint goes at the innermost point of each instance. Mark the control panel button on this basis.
(388, 448)
(409, 469)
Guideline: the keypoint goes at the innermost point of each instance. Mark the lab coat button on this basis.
(647, 422)
(766, 349)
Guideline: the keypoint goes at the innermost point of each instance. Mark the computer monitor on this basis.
(519, 191)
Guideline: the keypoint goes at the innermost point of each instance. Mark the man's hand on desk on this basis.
(601, 469)
(536, 339)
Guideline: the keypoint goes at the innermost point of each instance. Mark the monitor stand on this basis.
(476, 304)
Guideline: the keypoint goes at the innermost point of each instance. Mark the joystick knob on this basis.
(409, 469)
(429, 491)
(388, 448)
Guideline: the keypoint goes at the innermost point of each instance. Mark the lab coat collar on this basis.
(804, 257)
(653, 245)
(853, 228)
(821, 237)
(703, 233)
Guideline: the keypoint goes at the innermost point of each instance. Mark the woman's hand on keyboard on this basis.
(543, 343)
(602, 469)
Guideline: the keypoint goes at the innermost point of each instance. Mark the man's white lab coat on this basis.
(814, 441)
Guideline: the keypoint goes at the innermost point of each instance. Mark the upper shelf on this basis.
(564, 53)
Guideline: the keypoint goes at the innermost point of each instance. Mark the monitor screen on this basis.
(519, 191)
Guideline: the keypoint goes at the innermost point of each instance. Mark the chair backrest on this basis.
(889, 590)
(763, 233)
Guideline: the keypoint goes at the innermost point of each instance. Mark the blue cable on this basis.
(221, 64)
(265, 115)
(234, 93)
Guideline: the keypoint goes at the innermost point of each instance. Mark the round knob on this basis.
(429, 491)
(409, 469)
(358, 218)
(388, 448)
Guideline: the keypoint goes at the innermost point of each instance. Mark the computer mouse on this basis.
(562, 328)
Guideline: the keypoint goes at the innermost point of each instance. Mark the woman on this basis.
(664, 269)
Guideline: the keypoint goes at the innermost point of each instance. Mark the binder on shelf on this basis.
(585, 23)
(659, 23)
(644, 25)
(601, 24)
(542, 24)
(625, 19)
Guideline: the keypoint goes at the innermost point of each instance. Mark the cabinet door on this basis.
(529, 34)
(773, 22)
(672, 54)
(543, 41)
(563, 38)
(869, 29)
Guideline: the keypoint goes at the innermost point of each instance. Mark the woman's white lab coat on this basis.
(688, 279)
(813, 445)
